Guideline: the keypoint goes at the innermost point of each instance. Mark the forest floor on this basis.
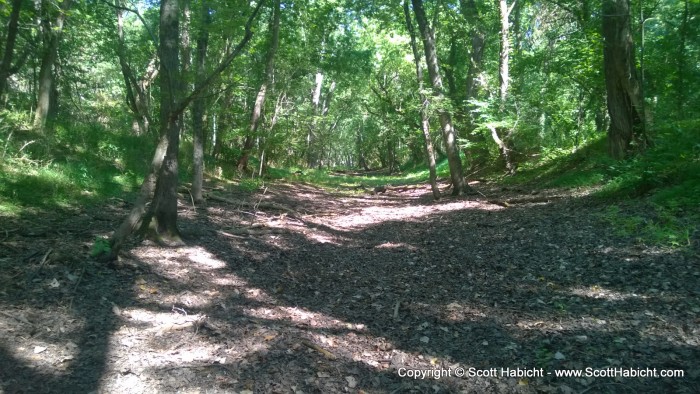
(293, 289)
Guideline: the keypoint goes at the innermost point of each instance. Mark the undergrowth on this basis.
(70, 165)
(664, 182)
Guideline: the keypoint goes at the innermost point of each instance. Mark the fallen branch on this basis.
(319, 349)
(257, 205)
(523, 200)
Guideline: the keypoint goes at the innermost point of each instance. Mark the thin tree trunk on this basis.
(680, 86)
(425, 121)
(198, 107)
(135, 95)
(185, 54)
(471, 16)
(621, 81)
(52, 34)
(311, 137)
(504, 81)
(256, 116)
(9, 48)
(448, 132)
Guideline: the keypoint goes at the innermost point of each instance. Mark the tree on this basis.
(503, 79)
(448, 133)
(136, 88)
(626, 131)
(425, 121)
(51, 33)
(198, 105)
(161, 218)
(9, 47)
(256, 116)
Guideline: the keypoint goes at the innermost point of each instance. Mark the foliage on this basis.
(100, 246)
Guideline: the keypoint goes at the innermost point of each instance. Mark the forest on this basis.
(391, 196)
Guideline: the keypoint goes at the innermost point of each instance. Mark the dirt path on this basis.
(296, 290)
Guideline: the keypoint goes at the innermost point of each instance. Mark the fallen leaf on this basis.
(559, 356)
(352, 382)
(39, 349)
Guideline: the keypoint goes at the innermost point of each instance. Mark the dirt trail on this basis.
(296, 290)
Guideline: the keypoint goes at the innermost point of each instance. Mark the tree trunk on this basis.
(163, 175)
(311, 149)
(470, 13)
(9, 48)
(680, 79)
(626, 130)
(256, 116)
(448, 132)
(425, 121)
(135, 93)
(164, 219)
(198, 107)
(52, 37)
(503, 80)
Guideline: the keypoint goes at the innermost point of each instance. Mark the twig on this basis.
(396, 309)
(319, 349)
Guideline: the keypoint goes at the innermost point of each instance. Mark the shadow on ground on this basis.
(353, 293)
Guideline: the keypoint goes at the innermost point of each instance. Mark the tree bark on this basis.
(164, 219)
(136, 97)
(9, 47)
(52, 33)
(471, 16)
(680, 79)
(198, 106)
(503, 80)
(256, 116)
(425, 121)
(626, 130)
(448, 132)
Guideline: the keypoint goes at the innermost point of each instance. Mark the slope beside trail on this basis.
(292, 289)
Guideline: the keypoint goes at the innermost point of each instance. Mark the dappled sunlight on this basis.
(301, 316)
(598, 292)
(373, 215)
(204, 259)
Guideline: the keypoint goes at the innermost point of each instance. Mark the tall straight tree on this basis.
(258, 107)
(198, 105)
(9, 47)
(621, 81)
(448, 131)
(503, 79)
(51, 32)
(425, 121)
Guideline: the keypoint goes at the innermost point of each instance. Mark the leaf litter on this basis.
(300, 290)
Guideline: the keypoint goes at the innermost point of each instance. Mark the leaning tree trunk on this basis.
(621, 81)
(448, 132)
(163, 176)
(52, 37)
(9, 49)
(425, 122)
(256, 116)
